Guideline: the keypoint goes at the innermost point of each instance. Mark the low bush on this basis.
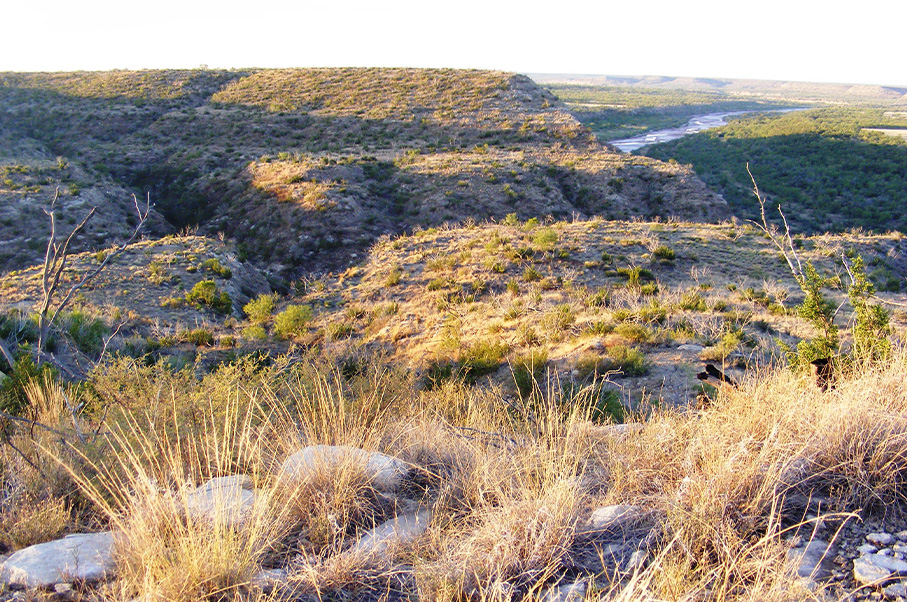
(261, 308)
(214, 266)
(206, 295)
(292, 321)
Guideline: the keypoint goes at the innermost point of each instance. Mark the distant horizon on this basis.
(551, 77)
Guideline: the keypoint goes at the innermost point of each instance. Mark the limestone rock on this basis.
(875, 569)
(568, 592)
(637, 560)
(813, 561)
(400, 529)
(896, 590)
(619, 430)
(82, 557)
(880, 539)
(223, 500)
(384, 472)
(618, 516)
(268, 580)
(690, 347)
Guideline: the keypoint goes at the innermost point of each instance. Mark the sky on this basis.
(832, 41)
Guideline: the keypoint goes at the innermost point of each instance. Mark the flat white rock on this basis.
(223, 500)
(400, 529)
(896, 590)
(617, 516)
(874, 569)
(690, 347)
(82, 557)
(383, 472)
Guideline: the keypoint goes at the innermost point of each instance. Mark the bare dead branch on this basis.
(33, 423)
(55, 263)
(6, 354)
(783, 242)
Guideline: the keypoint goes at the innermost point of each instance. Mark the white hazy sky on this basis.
(853, 41)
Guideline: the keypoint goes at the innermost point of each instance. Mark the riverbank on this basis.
(696, 124)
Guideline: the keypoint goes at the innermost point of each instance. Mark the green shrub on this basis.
(292, 321)
(206, 295)
(214, 266)
(87, 333)
(339, 330)
(629, 360)
(600, 404)
(437, 284)
(545, 239)
(480, 358)
(636, 275)
(13, 399)
(692, 301)
(729, 342)
(199, 337)
(600, 298)
(260, 309)
(557, 319)
(530, 274)
(871, 330)
(635, 332)
(664, 253)
(394, 276)
(254, 332)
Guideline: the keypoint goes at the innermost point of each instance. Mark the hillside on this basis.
(417, 335)
(644, 304)
(305, 168)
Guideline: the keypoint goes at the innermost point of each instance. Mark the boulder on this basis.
(383, 472)
(400, 529)
(880, 539)
(223, 500)
(82, 557)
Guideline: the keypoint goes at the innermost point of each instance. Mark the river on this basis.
(696, 124)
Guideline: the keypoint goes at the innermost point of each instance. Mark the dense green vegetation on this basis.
(613, 112)
(829, 173)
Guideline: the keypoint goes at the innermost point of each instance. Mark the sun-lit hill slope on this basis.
(305, 168)
(574, 298)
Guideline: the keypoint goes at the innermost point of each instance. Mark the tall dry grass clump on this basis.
(722, 477)
(509, 483)
(170, 543)
(37, 494)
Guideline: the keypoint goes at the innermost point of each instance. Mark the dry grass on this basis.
(509, 486)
